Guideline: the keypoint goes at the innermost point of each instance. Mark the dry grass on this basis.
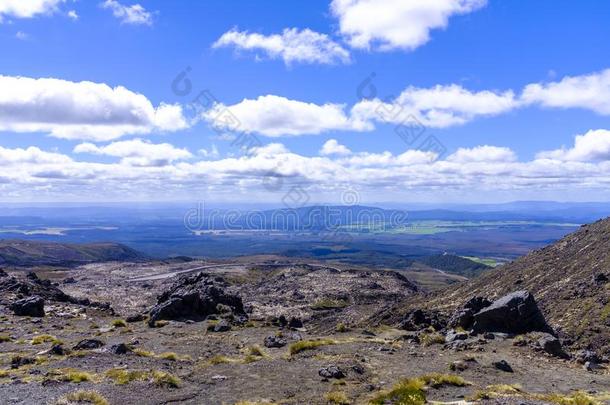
(5, 338)
(37, 340)
(164, 379)
(90, 397)
(121, 376)
(303, 345)
(73, 376)
(429, 339)
(119, 323)
(337, 397)
(412, 391)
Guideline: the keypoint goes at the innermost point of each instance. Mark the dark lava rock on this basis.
(274, 341)
(3, 273)
(120, 348)
(88, 344)
(58, 350)
(419, 319)
(69, 280)
(551, 345)
(464, 317)
(195, 297)
(600, 278)
(18, 361)
(135, 318)
(514, 313)
(295, 323)
(584, 356)
(358, 369)
(222, 326)
(503, 366)
(331, 372)
(30, 306)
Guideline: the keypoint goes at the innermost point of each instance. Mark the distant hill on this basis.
(569, 279)
(33, 253)
(455, 265)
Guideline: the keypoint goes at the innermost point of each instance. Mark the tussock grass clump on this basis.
(429, 339)
(160, 324)
(164, 379)
(119, 323)
(341, 328)
(412, 391)
(121, 376)
(143, 353)
(40, 339)
(303, 345)
(328, 303)
(74, 376)
(254, 353)
(575, 398)
(4, 373)
(5, 338)
(407, 392)
(437, 380)
(337, 397)
(90, 397)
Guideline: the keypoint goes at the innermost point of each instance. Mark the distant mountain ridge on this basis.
(23, 253)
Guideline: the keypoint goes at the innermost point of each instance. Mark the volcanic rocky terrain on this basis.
(232, 332)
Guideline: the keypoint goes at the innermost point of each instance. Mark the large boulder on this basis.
(464, 317)
(419, 319)
(30, 306)
(196, 297)
(514, 313)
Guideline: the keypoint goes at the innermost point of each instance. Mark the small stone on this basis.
(88, 344)
(222, 326)
(331, 372)
(503, 366)
(274, 342)
(120, 348)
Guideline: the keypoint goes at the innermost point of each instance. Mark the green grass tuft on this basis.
(303, 345)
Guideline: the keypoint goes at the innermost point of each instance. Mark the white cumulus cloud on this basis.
(332, 147)
(590, 91)
(138, 152)
(81, 110)
(483, 153)
(275, 116)
(134, 14)
(590, 147)
(292, 46)
(438, 106)
(396, 24)
(27, 8)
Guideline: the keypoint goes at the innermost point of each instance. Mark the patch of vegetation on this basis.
(574, 398)
(341, 328)
(437, 380)
(74, 376)
(4, 373)
(328, 303)
(605, 312)
(164, 379)
(429, 339)
(412, 391)
(303, 345)
(337, 397)
(143, 353)
(5, 338)
(91, 397)
(161, 323)
(121, 376)
(37, 340)
(407, 392)
(255, 353)
(119, 323)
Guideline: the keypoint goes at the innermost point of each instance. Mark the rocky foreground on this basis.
(281, 333)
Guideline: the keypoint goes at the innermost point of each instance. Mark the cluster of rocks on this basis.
(199, 297)
(30, 294)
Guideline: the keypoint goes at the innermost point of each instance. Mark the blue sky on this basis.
(290, 73)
